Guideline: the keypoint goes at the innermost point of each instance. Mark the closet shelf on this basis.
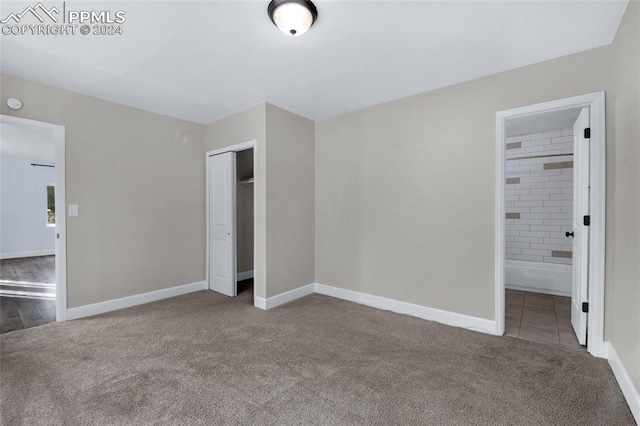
(246, 180)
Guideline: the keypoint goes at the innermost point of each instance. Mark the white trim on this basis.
(27, 254)
(253, 144)
(58, 132)
(500, 225)
(138, 299)
(419, 311)
(260, 302)
(241, 276)
(243, 146)
(624, 381)
(282, 298)
(538, 277)
(596, 103)
(444, 317)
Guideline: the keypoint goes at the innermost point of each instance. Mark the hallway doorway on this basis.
(33, 285)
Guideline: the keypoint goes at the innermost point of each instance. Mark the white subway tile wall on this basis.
(543, 196)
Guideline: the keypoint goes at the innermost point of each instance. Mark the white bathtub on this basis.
(538, 277)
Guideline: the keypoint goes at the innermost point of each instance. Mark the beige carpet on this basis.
(207, 359)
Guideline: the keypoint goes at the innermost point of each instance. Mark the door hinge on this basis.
(587, 133)
(585, 307)
(586, 221)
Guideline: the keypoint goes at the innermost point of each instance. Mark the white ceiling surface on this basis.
(203, 61)
(542, 122)
(27, 142)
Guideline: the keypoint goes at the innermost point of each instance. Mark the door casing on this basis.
(597, 181)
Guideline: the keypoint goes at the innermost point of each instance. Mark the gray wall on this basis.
(290, 201)
(244, 210)
(405, 191)
(285, 181)
(623, 269)
(138, 179)
(23, 207)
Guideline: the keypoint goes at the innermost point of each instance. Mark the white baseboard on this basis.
(538, 277)
(624, 381)
(282, 298)
(424, 312)
(138, 299)
(241, 276)
(260, 302)
(17, 255)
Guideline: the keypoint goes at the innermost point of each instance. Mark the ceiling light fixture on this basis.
(292, 17)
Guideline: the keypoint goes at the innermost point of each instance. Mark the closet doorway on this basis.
(550, 222)
(231, 220)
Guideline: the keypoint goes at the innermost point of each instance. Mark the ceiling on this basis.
(203, 61)
(27, 142)
(541, 122)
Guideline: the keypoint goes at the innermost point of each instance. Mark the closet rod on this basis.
(41, 165)
(539, 156)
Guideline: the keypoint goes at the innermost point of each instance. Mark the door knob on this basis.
(568, 234)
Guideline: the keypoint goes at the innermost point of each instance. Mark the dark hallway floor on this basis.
(27, 292)
(17, 313)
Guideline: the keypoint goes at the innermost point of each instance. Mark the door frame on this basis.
(597, 180)
(58, 132)
(253, 144)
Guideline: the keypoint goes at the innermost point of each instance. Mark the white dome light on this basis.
(292, 17)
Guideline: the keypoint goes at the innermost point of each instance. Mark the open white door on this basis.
(222, 223)
(580, 231)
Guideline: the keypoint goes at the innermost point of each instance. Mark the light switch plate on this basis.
(73, 210)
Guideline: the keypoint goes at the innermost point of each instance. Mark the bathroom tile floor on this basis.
(541, 318)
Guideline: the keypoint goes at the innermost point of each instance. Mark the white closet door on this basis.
(580, 231)
(222, 223)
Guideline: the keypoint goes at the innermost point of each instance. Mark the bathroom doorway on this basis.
(549, 276)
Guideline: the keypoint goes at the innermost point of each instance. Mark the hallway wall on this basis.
(23, 209)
